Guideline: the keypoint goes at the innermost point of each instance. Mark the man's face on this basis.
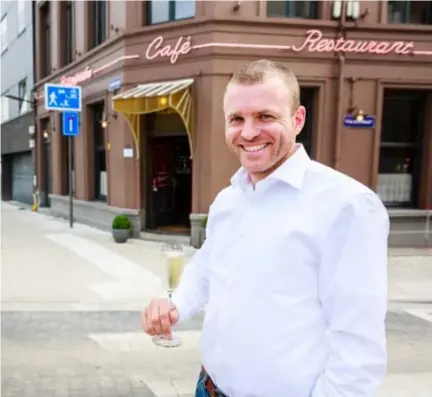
(260, 126)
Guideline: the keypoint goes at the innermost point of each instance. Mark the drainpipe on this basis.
(340, 87)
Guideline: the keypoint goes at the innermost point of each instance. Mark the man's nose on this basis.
(250, 131)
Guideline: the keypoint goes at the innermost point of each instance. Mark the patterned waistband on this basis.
(209, 385)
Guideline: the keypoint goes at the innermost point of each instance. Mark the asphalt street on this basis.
(71, 302)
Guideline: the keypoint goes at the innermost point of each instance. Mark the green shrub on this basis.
(204, 222)
(121, 222)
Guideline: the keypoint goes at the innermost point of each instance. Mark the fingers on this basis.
(173, 315)
(158, 317)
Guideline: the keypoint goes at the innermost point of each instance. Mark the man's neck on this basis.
(259, 176)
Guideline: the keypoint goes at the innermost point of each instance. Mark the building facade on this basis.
(17, 115)
(153, 75)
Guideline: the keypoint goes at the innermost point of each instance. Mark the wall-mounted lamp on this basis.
(237, 6)
(114, 86)
(104, 122)
(163, 101)
(47, 136)
(357, 113)
(360, 115)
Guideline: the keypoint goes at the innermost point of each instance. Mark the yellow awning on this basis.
(155, 97)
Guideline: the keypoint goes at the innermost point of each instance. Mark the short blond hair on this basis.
(255, 72)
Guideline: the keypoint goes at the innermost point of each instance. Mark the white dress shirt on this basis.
(294, 275)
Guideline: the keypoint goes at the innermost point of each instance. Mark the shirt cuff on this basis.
(179, 304)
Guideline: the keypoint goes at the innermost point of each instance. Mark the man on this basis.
(293, 270)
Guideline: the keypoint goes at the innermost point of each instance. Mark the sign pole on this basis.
(66, 99)
(70, 181)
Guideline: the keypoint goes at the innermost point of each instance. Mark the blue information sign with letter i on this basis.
(62, 97)
(70, 123)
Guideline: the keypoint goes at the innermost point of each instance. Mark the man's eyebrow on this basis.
(266, 111)
(234, 114)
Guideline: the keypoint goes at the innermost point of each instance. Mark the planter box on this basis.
(202, 238)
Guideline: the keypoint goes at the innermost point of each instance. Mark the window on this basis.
(22, 95)
(21, 15)
(98, 22)
(401, 147)
(4, 38)
(292, 9)
(417, 12)
(66, 43)
(4, 108)
(45, 16)
(169, 10)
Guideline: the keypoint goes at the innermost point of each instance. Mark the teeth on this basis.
(255, 148)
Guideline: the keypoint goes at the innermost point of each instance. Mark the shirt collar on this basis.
(292, 171)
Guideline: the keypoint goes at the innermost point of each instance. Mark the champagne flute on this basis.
(174, 259)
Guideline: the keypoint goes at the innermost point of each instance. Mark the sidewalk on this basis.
(49, 266)
(71, 305)
(73, 297)
(136, 270)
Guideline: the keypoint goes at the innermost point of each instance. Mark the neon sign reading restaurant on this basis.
(314, 42)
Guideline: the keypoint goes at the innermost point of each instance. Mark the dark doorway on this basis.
(100, 166)
(47, 131)
(307, 99)
(402, 135)
(170, 193)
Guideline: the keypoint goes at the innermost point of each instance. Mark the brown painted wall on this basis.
(211, 67)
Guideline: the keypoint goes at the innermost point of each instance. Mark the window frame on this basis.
(98, 26)
(416, 146)
(4, 33)
(406, 14)
(289, 7)
(67, 33)
(5, 110)
(22, 95)
(171, 13)
(21, 16)
(45, 18)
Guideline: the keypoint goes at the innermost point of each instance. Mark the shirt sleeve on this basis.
(353, 293)
(191, 294)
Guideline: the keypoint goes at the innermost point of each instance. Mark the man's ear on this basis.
(300, 118)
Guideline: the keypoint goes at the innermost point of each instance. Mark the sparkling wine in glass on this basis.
(174, 259)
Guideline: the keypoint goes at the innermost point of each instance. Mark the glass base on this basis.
(164, 341)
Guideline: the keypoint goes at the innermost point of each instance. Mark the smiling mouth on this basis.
(255, 148)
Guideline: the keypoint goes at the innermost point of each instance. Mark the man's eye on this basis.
(266, 116)
(236, 119)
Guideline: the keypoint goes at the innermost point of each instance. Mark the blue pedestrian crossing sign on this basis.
(70, 124)
(62, 97)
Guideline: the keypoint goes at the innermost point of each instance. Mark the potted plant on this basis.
(121, 228)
